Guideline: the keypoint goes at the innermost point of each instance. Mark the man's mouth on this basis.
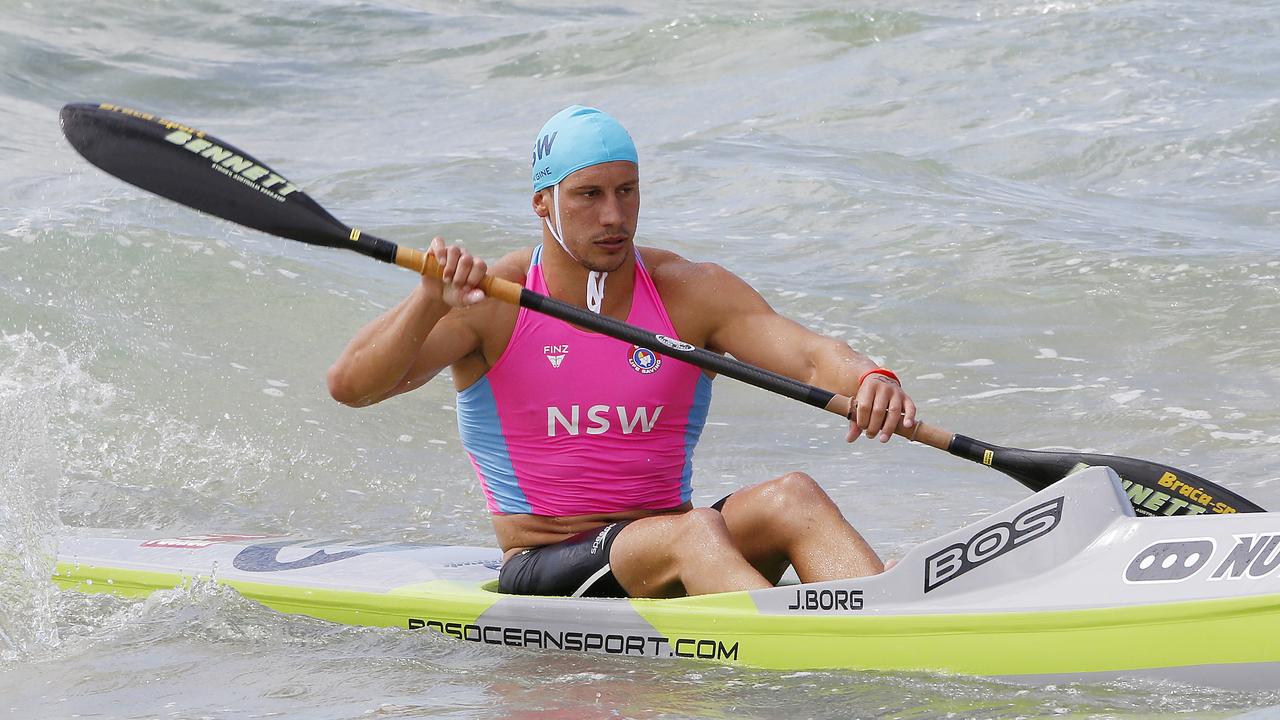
(612, 242)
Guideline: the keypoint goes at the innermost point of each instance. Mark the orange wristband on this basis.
(879, 371)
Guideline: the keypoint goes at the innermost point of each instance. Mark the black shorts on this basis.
(575, 567)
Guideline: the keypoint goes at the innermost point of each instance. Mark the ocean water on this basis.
(1056, 220)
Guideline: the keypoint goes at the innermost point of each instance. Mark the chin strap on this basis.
(595, 290)
(595, 280)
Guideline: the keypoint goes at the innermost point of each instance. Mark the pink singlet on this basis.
(570, 422)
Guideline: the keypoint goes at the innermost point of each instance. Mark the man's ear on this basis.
(540, 206)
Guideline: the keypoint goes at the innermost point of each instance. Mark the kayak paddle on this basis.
(195, 169)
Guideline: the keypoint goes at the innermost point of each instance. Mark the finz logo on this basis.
(990, 543)
(644, 360)
(555, 354)
(675, 344)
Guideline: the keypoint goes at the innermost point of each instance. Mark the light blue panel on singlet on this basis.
(693, 431)
(481, 434)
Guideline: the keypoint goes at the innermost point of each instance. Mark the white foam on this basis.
(1247, 436)
(1189, 414)
(1013, 390)
(1051, 354)
(1123, 398)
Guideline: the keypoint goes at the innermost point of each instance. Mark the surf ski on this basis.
(1066, 584)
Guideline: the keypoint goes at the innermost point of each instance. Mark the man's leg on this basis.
(792, 520)
(692, 553)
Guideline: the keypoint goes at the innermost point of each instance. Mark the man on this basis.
(583, 443)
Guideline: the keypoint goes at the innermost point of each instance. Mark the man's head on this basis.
(586, 186)
(575, 138)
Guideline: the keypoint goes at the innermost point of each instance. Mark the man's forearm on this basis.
(382, 353)
(837, 367)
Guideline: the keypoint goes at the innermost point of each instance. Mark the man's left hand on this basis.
(880, 407)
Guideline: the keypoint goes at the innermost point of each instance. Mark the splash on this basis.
(28, 526)
(40, 388)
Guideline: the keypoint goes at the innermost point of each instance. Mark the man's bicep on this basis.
(768, 340)
(748, 328)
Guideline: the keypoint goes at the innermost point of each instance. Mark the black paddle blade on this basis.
(1153, 489)
(200, 171)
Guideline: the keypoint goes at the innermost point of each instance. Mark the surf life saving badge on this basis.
(644, 360)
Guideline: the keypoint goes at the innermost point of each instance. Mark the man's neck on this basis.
(567, 279)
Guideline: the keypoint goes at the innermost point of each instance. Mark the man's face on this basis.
(599, 207)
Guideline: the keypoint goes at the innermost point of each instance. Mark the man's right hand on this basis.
(459, 284)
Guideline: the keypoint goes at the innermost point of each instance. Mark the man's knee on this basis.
(798, 482)
(795, 491)
(704, 527)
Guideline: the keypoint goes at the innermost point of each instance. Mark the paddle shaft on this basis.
(1153, 489)
(190, 167)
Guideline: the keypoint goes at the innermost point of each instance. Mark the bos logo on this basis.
(1169, 561)
(990, 543)
(644, 360)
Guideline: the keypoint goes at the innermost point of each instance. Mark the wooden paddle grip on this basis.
(930, 435)
(919, 432)
(424, 263)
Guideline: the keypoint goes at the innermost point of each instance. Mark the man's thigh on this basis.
(643, 560)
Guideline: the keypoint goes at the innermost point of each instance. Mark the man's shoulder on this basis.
(675, 274)
(700, 297)
(670, 269)
(513, 266)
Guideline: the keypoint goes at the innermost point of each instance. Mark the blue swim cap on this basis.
(578, 137)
